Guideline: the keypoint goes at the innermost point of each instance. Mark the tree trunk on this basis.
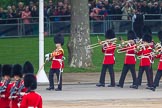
(79, 56)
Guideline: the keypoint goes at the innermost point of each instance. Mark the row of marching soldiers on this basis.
(145, 49)
(19, 92)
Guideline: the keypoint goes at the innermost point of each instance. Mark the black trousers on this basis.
(148, 75)
(151, 76)
(51, 78)
(157, 78)
(111, 73)
(125, 70)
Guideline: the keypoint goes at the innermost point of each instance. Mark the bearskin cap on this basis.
(30, 81)
(147, 38)
(17, 70)
(28, 67)
(109, 34)
(147, 30)
(59, 38)
(7, 70)
(131, 35)
(160, 35)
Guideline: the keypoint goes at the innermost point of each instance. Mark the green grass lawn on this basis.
(19, 50)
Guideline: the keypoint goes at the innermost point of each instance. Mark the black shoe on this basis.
(58, 89)
(50, 88)
(134, 86)
(148, 87)
(100, 85)
(152, 88)
(111, 85)
(118, 85)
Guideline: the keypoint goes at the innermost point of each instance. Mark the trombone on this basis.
(126, 46)
(103, 43)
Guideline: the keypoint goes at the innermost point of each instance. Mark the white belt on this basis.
(130, 54)
(160, 60)
(60, 60)
(108, 54)
(145, 57)
(32, 107)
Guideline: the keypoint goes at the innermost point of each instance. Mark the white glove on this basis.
(47, 59)
(47, 55)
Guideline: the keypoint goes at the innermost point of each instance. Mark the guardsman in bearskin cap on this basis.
(159, 71)
(109, 60)
(57, 63)
(147, 31)
(31, 99)
(144, 52)
(27, 68)
(5, 86)
(17, 74)
(130, 60)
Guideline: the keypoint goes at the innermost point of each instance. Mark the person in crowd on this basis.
(20, 9)
(138, 23)
(109, 59)
(127, 10)
(57, 63)
(11, 16)
(26, 16)
(156, 10)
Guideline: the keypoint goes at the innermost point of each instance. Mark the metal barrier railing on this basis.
(55, 24)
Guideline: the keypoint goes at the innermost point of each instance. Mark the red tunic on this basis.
(57, 61)
(160, 61)
(145, 53)
(109, 50)
(4, 101)
(14, 102)
(31, 99)
(130, 55)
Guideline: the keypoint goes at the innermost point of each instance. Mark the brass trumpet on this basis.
(103, 43)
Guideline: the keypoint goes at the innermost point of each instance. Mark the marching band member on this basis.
(27, 68)
(130, 60)
(31, 99)
(14, 97)
(109, 60)
(159, 71)
(145, 62)
(5, 86)
(57, 63)
(147, 31)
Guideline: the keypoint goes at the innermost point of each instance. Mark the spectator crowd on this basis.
(124, 9)
(30, 12)
(98, 10)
